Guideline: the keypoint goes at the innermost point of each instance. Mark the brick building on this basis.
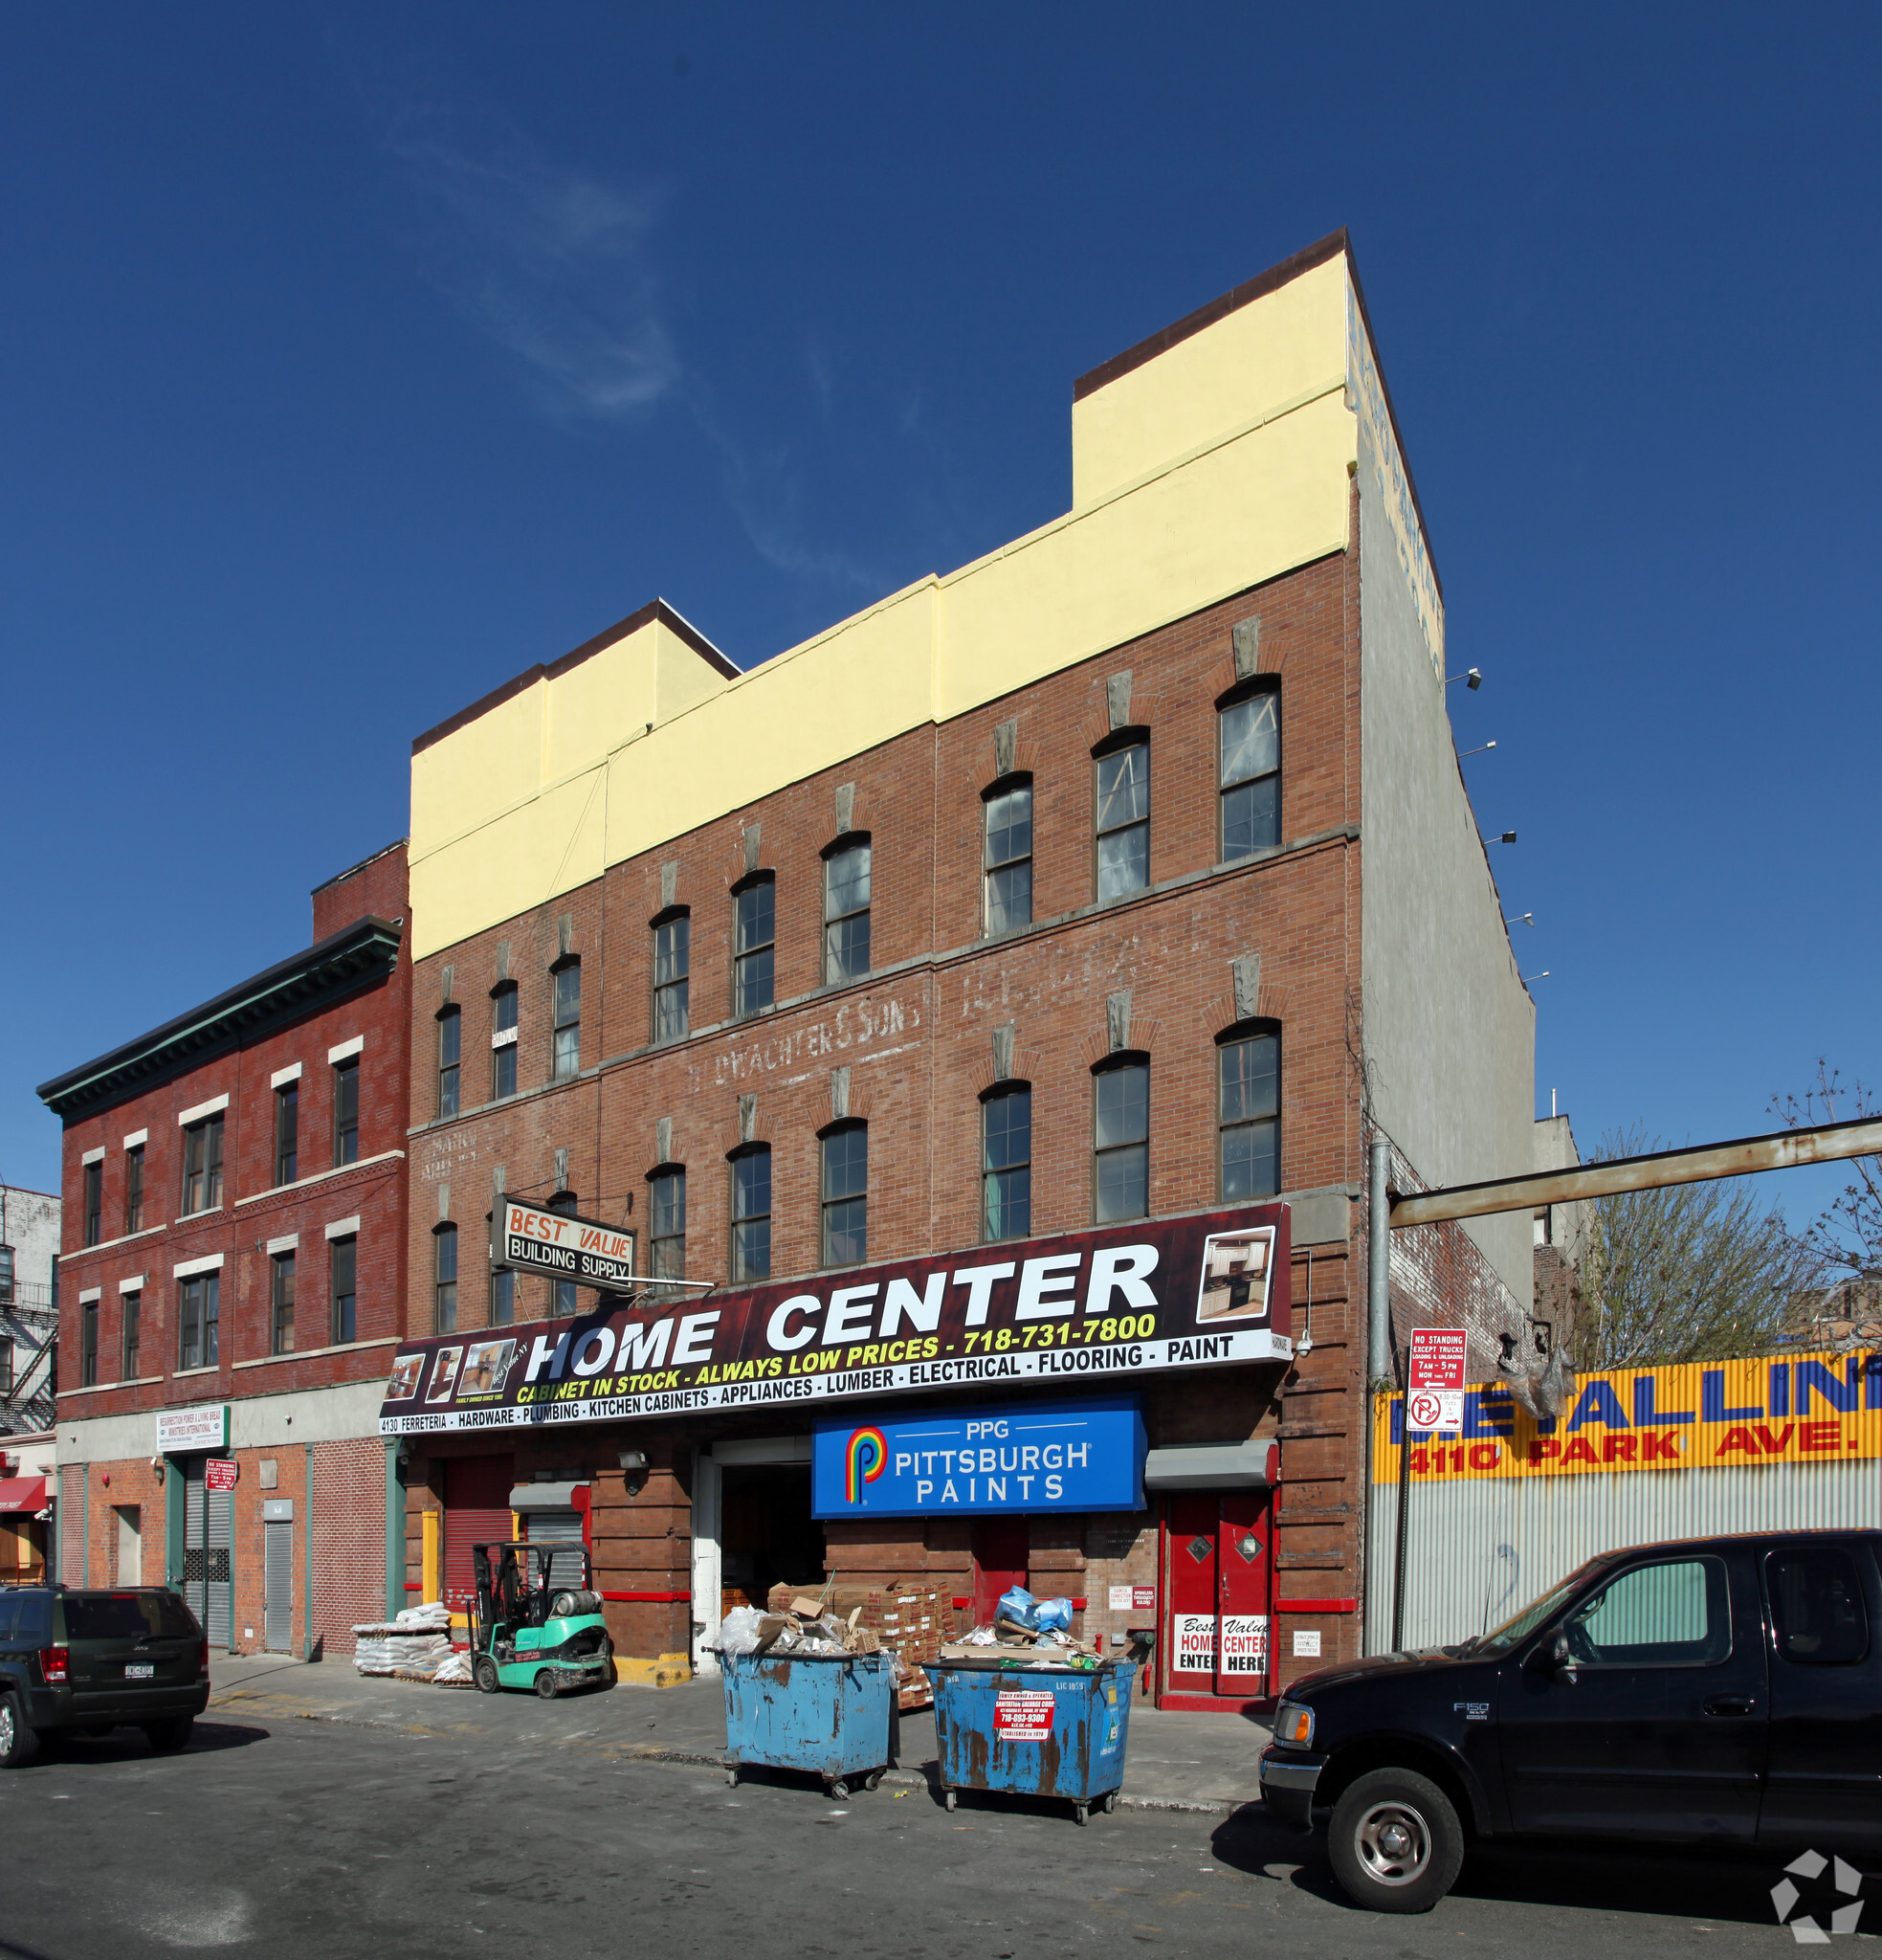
(233, 1282)
(1121, 878)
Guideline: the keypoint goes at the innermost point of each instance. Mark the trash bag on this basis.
(738, 1630)
(1053, 1613)
(1018, 1607)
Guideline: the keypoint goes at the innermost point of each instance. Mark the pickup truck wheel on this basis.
(18, 1743)
(1395, 1843)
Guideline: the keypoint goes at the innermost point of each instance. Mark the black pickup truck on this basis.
(86, 1662)
(1716, 1691)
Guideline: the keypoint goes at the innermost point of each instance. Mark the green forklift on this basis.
(529, 1631)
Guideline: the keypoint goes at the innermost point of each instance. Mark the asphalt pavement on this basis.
(350, 1839)
(1175, 1757)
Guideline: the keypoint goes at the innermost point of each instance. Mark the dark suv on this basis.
(1716, 1691)
(86, 1662)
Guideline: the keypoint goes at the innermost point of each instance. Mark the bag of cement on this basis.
(454, 1673)
(433, 1617)
(738, 1630)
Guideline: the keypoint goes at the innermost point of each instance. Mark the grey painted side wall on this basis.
(30, 1223)
(255, 1422)
(1450, 1030)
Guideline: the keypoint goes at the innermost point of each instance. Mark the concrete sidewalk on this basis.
(1174, 1760)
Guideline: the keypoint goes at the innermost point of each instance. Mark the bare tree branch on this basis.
(1848, 1234)
(1694, 1272)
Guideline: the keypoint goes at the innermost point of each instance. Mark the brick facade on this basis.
(108, 1426)
(916, 1039)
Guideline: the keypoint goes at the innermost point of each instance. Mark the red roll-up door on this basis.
(476, 1511)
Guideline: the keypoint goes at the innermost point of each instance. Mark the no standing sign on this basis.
(1434, 1379)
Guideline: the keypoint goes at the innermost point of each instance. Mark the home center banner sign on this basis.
(1126, 1300)
(1817, 1408)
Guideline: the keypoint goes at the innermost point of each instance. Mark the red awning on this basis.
(22, 1493)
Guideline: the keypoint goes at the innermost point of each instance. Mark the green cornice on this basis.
(366, 951)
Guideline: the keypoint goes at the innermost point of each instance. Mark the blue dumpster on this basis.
(825, 1713)
(1038, 1731)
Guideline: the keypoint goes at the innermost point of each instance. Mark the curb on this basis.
(695, 1759)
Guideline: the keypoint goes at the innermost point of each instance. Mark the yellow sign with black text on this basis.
(1696, 1415)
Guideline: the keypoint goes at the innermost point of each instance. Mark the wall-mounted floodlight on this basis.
(1476, 751)
(1508, 837)
(1473, 680)
(1521, 919)
(634, 1465)
(1542, 975)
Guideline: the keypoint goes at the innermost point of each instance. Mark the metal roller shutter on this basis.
(476, 1511)
(558, 1528)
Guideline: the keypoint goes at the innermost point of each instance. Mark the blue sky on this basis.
(358, 357)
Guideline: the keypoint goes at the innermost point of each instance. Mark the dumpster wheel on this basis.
(1079, 1812)
(948, 1798)
(838, 1788)
(1109, 1800)
(732, 1775)
(874, 1780)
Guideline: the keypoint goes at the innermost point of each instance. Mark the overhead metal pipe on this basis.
(1782, 1150)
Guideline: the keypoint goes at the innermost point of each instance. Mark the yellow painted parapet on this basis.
(1206, 468)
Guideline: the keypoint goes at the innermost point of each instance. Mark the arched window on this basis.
(754, 942)
(451, 1035)
(444, 1280)
(566, 1037)
(666, 1223)
(1006, 1161)
(1120, 1138)
(673, 967)
(1009, 853)
(1122, 824)
(1249, 739)
(1249, 1111)
(503, 1042)
(846, 872)
(751, 1213)
(565, 1295)
(846, 1195)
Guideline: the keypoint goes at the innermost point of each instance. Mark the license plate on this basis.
(139, 1670)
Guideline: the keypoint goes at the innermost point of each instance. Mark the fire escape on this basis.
(28, 1359)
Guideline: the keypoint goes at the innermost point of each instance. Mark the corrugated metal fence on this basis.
(1482, 1550)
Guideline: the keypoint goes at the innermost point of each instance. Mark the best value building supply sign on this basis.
(1084, 1308)
(539, 1240)
(1024, 1456)
(1820, 1407)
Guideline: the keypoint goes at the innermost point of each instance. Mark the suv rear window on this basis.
(123, 1617)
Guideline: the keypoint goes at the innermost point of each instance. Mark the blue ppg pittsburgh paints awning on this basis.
(1018, 1457)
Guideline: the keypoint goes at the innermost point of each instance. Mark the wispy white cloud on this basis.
(553, 264)
(560, 267)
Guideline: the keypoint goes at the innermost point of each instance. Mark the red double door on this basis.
(1216, 1642)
